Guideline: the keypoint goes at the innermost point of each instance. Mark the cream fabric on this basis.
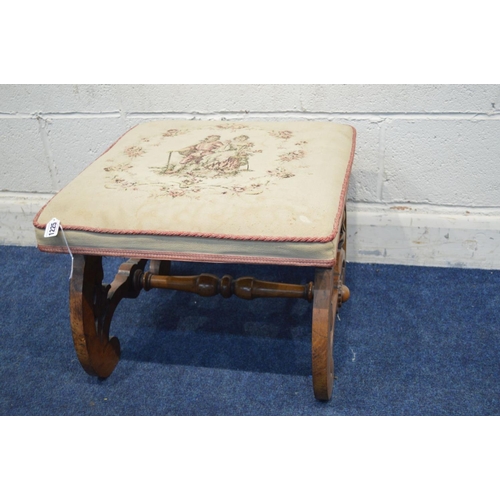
(264, 190)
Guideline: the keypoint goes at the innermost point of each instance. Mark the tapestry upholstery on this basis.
(215, 191)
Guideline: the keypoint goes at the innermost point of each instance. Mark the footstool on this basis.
(206, 191)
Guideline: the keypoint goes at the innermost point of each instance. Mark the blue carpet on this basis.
(411, 341)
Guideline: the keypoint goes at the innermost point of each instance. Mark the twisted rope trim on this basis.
(306, 239)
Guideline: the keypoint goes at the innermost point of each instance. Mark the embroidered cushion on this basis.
(213, 191)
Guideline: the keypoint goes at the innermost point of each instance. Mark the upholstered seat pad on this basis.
(219, 189)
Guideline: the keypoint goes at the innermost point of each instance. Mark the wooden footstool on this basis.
(206, 191)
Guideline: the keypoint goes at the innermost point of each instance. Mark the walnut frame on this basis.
(92, 305)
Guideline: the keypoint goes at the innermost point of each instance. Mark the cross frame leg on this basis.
(329, 293)
(92, 305)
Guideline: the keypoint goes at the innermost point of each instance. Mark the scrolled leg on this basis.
(324, 311)
(329, 294)
(92, 305)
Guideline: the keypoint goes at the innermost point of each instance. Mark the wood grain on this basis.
(208, 285)
(329, 294)
(92, 305)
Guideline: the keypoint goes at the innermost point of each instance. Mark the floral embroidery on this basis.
(281, 173)
(123, 184)
(293, 155)
(281, 134)
(173, 132)
(120, 167)
(174, 193)
(190, 181)
(134, 151)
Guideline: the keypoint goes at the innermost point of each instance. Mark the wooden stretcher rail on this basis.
(208, 285)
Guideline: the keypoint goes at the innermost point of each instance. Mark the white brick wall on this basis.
(23, 160)
(453, 162)
(425, 187)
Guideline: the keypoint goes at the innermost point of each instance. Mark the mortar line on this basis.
(6, 195)
(58, 115)
(381, 160)
(414, 205)
(123, 116)
(311, 115)
(42, 124)
(79, 115)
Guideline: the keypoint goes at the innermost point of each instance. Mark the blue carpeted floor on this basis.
(411, 341)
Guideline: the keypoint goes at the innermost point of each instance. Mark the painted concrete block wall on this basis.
(425, 186)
